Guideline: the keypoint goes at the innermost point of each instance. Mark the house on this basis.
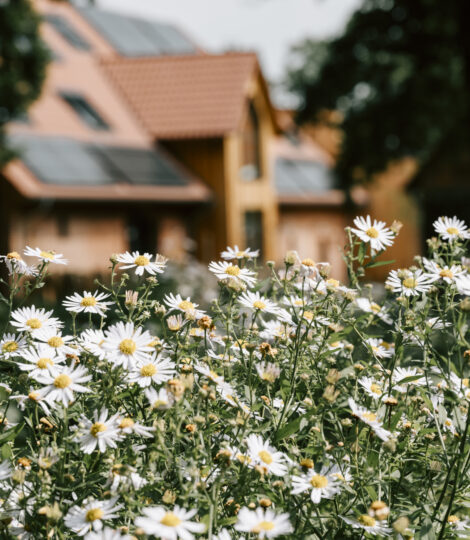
(142, 141)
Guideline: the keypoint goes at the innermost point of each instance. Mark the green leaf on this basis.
(289, 429)
(10, 434)
(426, 532)
(378, 263)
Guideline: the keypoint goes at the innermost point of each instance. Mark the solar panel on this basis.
(66, 30)
(132, 36)
(64, 161)
(142, 167)
(299, 177)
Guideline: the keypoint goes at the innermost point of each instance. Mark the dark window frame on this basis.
(253, 221)
(252, 166)
(85, 111)
(67, 31)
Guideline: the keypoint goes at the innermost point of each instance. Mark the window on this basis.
(66, 30)
(251, 166)
(85, 111)
(141, 232)
(254, 231)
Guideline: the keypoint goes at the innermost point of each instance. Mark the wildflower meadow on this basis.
(290, 406)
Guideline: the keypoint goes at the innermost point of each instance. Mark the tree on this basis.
(23, 60)
(400, 76)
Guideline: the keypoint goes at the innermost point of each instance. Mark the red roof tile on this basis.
(185, 96)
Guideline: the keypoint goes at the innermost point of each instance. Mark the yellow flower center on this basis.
(308, 262)
(369, 416)
(47, 255)
(97, 427)
(375, 388)
(259, 304)
(465, 382)
(148, 370)
(185, 305)
(141, 260)
(265, 457)
(372, 232)
(93, 514)
(263, 526)
(375, 307)
(446, 273)
(232, 270)
(42, 363)
(308, 315)
(159, 403)
(88, 301)
(332, 283)
(170, 520)
(410, 283)
(33, 396)
(34, 323)
(127, 346)
(62, 381)
(126, 423)
(453, 519)
(14, 255)
(452, 230)
(366, 520)
(319, 481)
(55, 341)
(241, 253)
(10, 346)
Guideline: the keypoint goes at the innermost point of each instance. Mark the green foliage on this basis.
(400, 76)
(23, 60)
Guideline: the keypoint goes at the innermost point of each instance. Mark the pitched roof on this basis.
(185, 96)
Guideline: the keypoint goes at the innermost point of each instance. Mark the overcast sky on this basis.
(269, 27)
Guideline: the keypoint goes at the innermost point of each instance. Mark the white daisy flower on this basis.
(463, 284)
(268, 371)
(39, 361)
(169, 524)
(127, 345)
(409, 283)
(231, 254)
(322, 485)
(256, 302)
(369, 418)
(368, 524)
(92, 341)
(34, 398)
(152, 370)
(102, 432)
(263, 454)
(142, 263)
(451, 228)
(209, 373)
(16, 265)
(160, 399)
(31, 319)
(87, 303)
(371, 386)
(225, 270)
(401, 373)
(62, 384)
(5, 470)
(445, 273)
(128, 426)
(225, 535)
(377, 233)
(45, 256)
(264, 523)
(176, 303)
(371, 307)
(435, 323)
(53, 339)
(381, 349)
(458, 524)
(107, 534)
(11, 345)
(90, 516)
(275, 330)
(124, 477)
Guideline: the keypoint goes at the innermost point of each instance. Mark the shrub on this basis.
(293, 407)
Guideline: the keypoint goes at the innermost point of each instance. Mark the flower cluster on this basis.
(290, 407)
